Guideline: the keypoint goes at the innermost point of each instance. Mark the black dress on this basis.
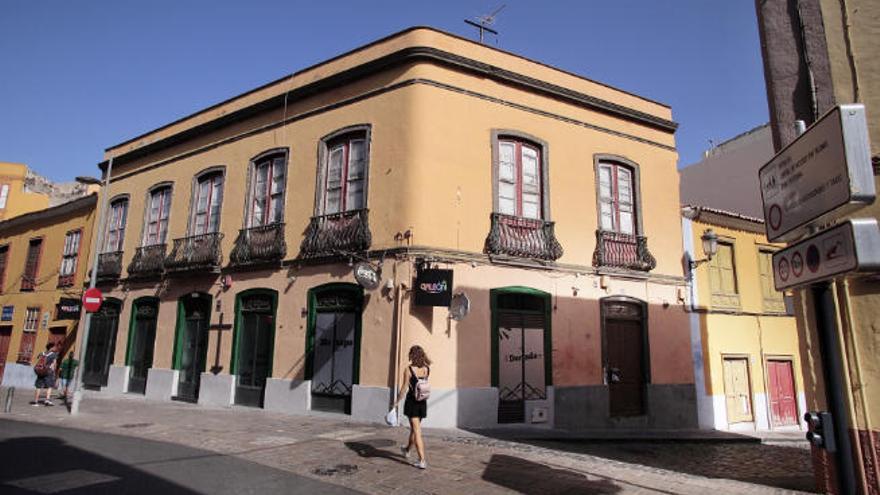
(413, 408)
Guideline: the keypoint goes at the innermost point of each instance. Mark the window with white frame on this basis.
(31, 319)
(69, 258)
(345, 174)
(617, 212)
(158, 210)
(519, 179)
(207, 200)
(115, 234)
(267, 190)
(4, 195)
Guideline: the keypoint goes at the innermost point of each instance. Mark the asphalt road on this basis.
(46, 459)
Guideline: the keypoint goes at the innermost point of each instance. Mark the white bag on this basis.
(391, 418)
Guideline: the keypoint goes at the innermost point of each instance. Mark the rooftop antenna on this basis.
(484, 21)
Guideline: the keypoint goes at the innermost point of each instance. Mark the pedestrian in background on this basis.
(415, 407)
(45, 370)
(68, 366)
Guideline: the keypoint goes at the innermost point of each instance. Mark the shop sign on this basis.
(366, 276)
(433, 287)
(852, 246)
(7, 313)
(825, 173)
(67, 309)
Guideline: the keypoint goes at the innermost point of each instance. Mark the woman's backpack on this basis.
(422, 390)
(42, 367)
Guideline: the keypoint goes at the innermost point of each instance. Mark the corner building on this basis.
(234, 233)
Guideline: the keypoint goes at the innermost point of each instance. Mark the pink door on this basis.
(783, 405)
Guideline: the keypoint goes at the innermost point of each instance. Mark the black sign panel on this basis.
(433, 288)
(67, 309)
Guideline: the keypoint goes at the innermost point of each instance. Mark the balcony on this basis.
(109, 266)
(65, 281)
(336, 234)
(522, 237)
(259, 245)
(617, 250)
(148, 262)
(195, 254)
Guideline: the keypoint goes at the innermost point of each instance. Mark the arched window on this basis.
(158, 211)
(617, 198)
(115, 233)
(207, 199)
(520, 183)
(345, 165)
(268, 178)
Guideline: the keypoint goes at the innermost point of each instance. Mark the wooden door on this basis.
(625, 369)
(783, 405)
(193, 346)
(5, 337)
(142, 345)
(101, 345)
(256, 333)
(737, 390)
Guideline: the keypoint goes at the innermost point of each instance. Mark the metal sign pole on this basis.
(832, 366)
(98, 234)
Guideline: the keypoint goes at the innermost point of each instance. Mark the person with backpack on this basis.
(45, 370)
(415, 407)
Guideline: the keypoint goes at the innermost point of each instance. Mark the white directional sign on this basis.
(823, 174)
(854, 245)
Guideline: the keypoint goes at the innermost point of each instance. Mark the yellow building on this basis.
(746, 345)
(15, 198)
(43, 257)
(429, 166)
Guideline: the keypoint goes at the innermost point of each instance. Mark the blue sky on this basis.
(77, 77)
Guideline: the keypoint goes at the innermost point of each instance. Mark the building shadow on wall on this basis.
(532, 478)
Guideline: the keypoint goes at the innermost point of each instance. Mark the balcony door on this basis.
(101, 344)
(194, 316)
(141, 343)
(333, 345)
(254, 341)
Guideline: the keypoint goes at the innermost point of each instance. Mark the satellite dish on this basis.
(459, 307)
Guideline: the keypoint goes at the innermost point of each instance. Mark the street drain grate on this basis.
(136, 425)
(343, 469)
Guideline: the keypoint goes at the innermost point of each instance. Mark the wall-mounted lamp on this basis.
(710, 247)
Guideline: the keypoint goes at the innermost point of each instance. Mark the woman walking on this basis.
(414, 408)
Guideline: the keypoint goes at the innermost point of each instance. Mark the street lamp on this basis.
(710, 247)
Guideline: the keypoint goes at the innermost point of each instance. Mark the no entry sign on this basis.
(823, 174)
(92, 299)
(854, 245)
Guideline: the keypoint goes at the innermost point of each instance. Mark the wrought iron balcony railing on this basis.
(109, 266)
(65, 280)
(330, 235)
(522, 237)
(617, 250)
(148, 262)
(195, 253)
(258, 245)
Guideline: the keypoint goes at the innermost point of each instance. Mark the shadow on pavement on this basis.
(532, 478)
(770, 465)
(47, 465)
(371, 448)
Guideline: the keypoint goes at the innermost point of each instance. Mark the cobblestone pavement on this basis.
(365, 457)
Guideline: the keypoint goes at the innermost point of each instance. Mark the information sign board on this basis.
(824, 173)
(853, 245)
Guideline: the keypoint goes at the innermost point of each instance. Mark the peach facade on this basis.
(430, 111)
